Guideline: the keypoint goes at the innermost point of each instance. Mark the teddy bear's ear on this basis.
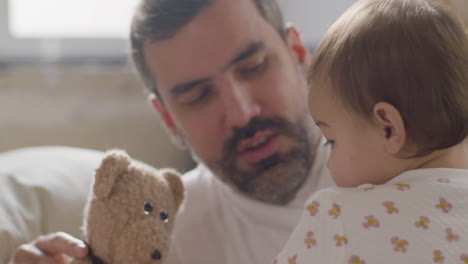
(176, 185)
(114, 164)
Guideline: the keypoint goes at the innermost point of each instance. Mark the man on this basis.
(228, 80)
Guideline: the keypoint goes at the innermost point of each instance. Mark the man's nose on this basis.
(240, 105)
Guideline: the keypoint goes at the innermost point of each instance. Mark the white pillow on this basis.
(43, 190)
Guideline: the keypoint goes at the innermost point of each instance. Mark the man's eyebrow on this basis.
(250, 50)
(187, 86)
(321, 123)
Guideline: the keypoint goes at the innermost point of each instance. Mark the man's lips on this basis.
(260, 152)
(246, 143)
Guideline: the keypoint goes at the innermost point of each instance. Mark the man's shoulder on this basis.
(202, 189)
(200, 213)
(198, 180)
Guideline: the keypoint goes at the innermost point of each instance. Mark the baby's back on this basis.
(420, 216)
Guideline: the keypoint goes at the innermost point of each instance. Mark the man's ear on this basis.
(390, 122)
(297, 47)
(163, 113)
(168, 122)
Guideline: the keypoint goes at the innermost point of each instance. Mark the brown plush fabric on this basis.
(125, 218)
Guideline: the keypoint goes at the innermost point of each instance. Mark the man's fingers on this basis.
(26, 253)
(50, 249)
(29, 254)
(57, 259)
(61, 243)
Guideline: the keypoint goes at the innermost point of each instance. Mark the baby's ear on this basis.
(176, 185)
(114, 165)
(392, 125)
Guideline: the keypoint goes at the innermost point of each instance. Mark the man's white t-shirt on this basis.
(220, 225)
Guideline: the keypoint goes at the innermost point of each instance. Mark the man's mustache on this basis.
(276, 124)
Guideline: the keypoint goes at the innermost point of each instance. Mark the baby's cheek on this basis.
(334, 171)
(336, 163)
(341, 171)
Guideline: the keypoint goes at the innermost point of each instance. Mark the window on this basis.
(70, 18)
(64, 30)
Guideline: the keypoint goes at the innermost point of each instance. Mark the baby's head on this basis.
(389, 88)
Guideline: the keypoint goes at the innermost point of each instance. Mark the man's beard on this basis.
(277, 178)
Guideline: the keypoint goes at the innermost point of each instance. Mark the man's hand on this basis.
(50, 249)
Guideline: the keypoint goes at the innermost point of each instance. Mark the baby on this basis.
(389, 91)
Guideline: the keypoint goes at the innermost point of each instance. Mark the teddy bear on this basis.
(130, 212)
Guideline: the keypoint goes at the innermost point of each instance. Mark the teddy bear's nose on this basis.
(156, 254)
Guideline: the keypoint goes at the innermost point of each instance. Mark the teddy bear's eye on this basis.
(164, 216)
(148, 207)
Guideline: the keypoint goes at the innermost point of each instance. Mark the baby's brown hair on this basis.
(412, 54)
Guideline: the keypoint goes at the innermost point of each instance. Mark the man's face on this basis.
(238, 97)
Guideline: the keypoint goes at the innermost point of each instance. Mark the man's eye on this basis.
(196, 96)
(256, 68)
(329, 143)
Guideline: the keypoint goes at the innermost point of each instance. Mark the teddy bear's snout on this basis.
(156, 254)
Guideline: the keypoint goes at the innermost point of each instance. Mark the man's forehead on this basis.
(206, 43)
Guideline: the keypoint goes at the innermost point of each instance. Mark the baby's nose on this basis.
(156, 254)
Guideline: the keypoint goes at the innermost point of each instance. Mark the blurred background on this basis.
(65, 78)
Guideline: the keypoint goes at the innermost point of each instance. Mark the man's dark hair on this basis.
(157, 20)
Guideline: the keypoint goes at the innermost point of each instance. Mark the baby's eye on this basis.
(148, 207)
(329, 143)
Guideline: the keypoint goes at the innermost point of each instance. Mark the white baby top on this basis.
(421, 216)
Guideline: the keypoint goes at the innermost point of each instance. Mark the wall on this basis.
(12, 49)
(91, 107)
(314, 17)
